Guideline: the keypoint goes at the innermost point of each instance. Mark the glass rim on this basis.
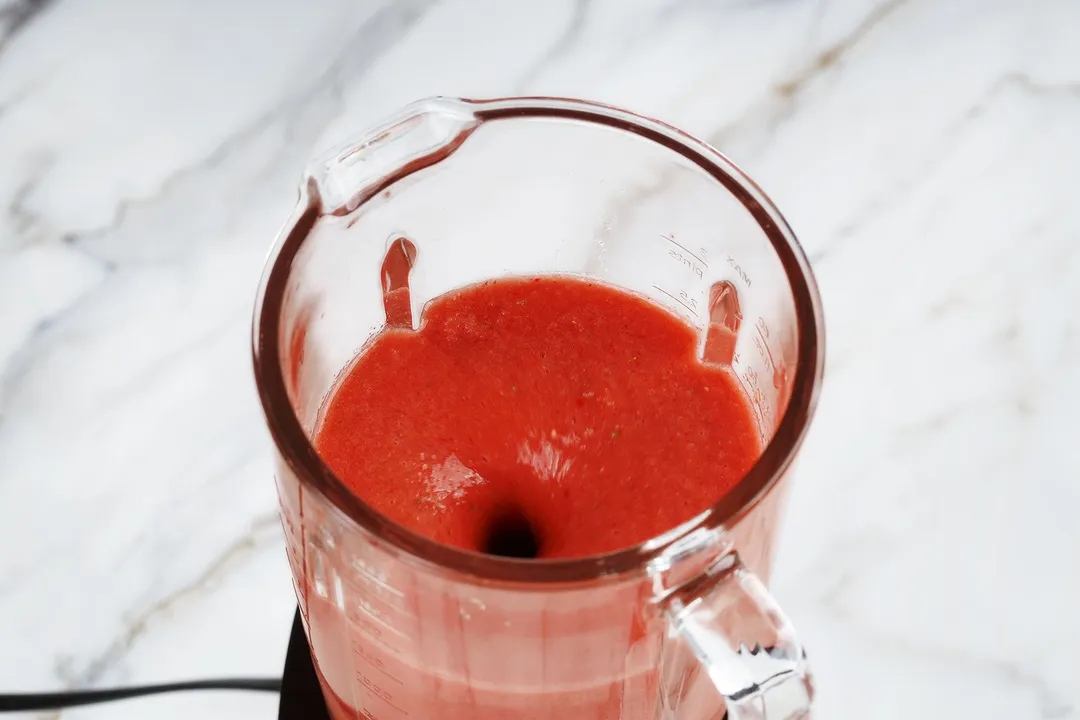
(298, 451)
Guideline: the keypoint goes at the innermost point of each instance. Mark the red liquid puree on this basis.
(545, 417)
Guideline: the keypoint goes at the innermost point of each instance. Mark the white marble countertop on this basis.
(927, 152)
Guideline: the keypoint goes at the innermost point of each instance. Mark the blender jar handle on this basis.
(743, 640)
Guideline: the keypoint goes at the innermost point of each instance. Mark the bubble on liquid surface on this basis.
(450, 479)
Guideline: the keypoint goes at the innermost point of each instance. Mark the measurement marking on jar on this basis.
(685, 301)
(391, 639)
(758, 400)
(763, 333)
(670, 237)
(739, 271)
(374, 577)
(687, 257)
(373, 613)
(379, 692)
(374, 634)
(374, 594)
(374, 662)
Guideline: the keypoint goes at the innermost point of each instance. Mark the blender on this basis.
(680, 627)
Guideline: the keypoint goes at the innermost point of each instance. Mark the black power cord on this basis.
(297, 663)
(55, 701)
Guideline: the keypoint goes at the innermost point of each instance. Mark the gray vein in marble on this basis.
(575, 28)
(264, 530)
(22, 360)
(794, 86)
(661, 21)
(15, 367)
(377, 35)
(1041, 89)
(946, 143)
(1052, 705)
(211, 162)
(847, 555)
(788, 90)
(903, 190)
(16, 16)
(831, 56)
(17, 210)
(361, 51)
(782, 102)
(14, 99)
(177, 360)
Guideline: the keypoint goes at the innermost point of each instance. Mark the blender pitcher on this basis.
(678, 628)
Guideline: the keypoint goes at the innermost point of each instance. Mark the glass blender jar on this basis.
(680, 627)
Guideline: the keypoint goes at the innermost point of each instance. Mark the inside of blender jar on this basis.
(538, 416)
(698, 298)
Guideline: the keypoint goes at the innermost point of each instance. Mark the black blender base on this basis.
(301, 696)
